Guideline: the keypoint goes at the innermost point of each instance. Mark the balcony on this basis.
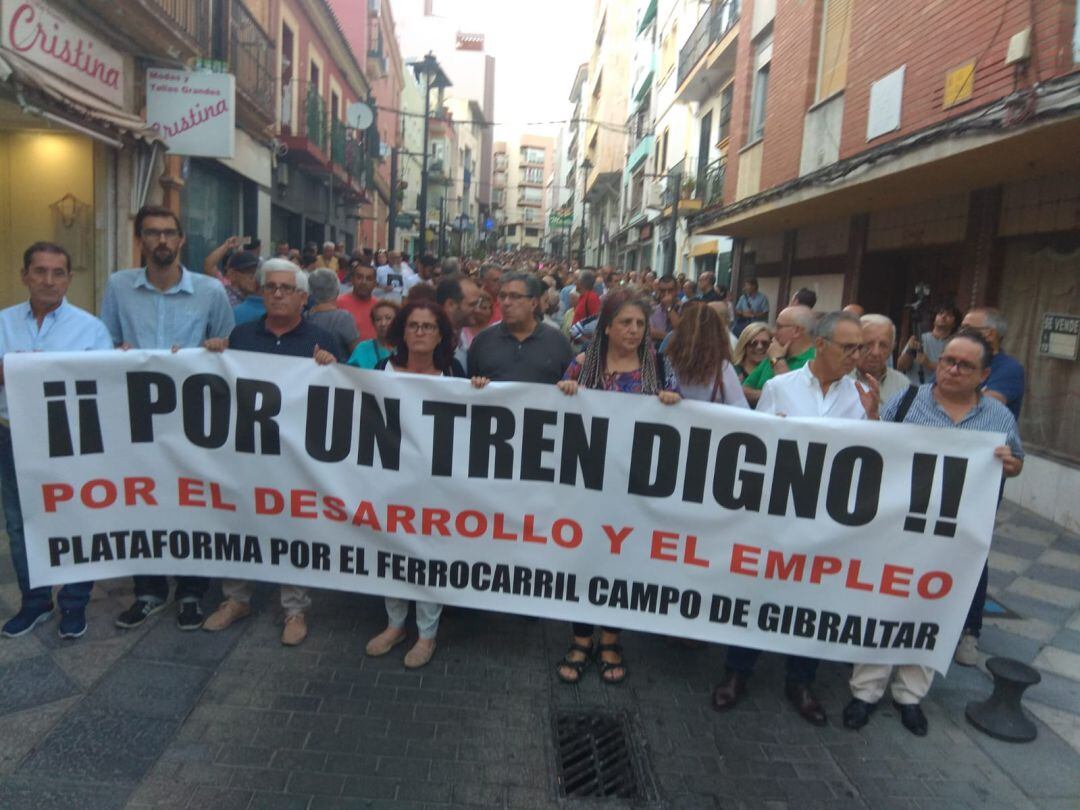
(709, 188)
(180, 28)
(308, 137)
(252, 53)
(698, 76)
(337, 142)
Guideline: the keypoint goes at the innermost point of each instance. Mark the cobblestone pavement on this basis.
(160, 718)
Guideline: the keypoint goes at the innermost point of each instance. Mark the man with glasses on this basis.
(164, 306)
(792, 346)
(283, 331)
(821, 388)
(44, 323)
(954, 400)
(520, 347)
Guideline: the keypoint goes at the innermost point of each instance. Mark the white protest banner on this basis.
(194, 111)
(845, 540)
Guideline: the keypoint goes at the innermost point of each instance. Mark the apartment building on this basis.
(522, 168)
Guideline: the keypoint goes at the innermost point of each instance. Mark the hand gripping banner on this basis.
(837, 539)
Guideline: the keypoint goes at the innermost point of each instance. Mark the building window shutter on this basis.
(835, 40)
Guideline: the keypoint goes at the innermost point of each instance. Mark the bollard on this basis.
(1001, 715)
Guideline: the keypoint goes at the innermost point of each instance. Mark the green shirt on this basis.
(763, 372)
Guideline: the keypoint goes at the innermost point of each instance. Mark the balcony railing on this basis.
(354, 160)
(252, 59)
(192, 17)
(717, 21)
(710, 186)
(314, 117)
(337, 143)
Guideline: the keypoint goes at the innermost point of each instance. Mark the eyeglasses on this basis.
(849, 349)
(153, 234)
(425, 328)
(963, 366)
(759, 344)
(512, 296)
(274, 289)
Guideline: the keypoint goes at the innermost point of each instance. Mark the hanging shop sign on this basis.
(1060, 336)
(194, 112)
(49, 40)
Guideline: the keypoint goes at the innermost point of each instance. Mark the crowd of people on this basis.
(518, 318)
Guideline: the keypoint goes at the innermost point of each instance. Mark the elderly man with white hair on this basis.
(284, 331)
(327, 259)
(879, 340)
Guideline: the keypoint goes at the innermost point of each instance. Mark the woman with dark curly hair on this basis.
(699, 358)
(424, 341)
(619, 358)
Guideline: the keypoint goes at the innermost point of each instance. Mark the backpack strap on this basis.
(905, 403)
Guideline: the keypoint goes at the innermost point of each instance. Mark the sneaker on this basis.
(385, 641)
(967, 651)
(295, 630)
(26, 620)
(228, 612)
(139, 612)
(190, 615)
(420, 653)
(72, 623)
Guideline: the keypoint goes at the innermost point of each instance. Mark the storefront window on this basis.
(211, 205)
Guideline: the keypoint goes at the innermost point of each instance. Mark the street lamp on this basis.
(586, 167)
(434, 78)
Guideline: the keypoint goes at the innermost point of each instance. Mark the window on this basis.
(833, 54)
(530, 154)
(668, 50)
(663, 152)
(762, 61)
(724, 124)
(534, 175)
(529, 214)
(511, 230)
(531, 196)
(532, 231)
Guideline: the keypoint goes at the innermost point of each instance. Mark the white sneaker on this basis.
(967, 651)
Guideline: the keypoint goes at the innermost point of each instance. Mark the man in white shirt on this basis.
(879, 340)
(821, 388)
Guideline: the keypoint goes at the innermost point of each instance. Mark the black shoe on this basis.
(857, 713)
(727, 694)
(913, 718)
(808, 707)
(138, 613)
(190, 615)
(72, 624)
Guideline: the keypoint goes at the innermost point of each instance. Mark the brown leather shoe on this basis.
(727, 694)
(805, 703)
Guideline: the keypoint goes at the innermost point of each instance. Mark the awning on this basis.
(67, 104)
(705, 248)
(648, 17)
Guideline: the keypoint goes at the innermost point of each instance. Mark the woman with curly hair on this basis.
(619, 358)
(424, 344)
(699, 358)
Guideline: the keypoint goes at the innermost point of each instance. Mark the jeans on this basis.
(799, 670)
(74, 596)
(294, 599)
(427, 616)
(973, 622)
(156, 589)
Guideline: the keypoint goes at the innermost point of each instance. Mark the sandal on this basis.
(607, 666)
(577, 666)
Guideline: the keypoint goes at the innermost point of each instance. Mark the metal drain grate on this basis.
(596, 756)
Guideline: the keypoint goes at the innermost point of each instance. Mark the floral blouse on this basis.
(626, 382)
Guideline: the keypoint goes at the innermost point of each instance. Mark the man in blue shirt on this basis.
(283, 330)
(1006, 380)
(241, 270)
(751, 306)
(45, 323)
(164, 306)
(954, 400)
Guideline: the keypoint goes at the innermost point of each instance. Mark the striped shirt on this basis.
(988, 414)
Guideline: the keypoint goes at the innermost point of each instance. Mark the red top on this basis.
(587, 306)
(361, 311)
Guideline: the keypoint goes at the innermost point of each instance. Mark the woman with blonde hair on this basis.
(699, 358)
(751, 349)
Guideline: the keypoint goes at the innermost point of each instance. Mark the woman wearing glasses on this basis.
(424, 344)
(749, 352)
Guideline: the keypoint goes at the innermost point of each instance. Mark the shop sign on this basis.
(1060, 336)
(37, 33)
(194, 112)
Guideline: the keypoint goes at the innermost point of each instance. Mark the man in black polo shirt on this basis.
(520, 348)
(282, 330)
